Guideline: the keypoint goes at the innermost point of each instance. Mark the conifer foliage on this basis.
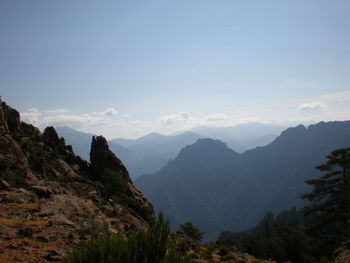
(324, 226)
(330, 198)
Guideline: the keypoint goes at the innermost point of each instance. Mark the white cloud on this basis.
(312, 106)
(180, 117)
(38, 118)
(75, 120)
(87, 122)
(57, 111)
(127, 115)
(53, 118)
(217, 117)
(118, 124)
(134, 123)
(32, 110)
(32, 116)
(108, 112)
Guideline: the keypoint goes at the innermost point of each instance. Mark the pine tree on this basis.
(330, 199)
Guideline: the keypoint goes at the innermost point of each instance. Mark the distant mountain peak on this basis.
(210, 142)
(295, 130)
(206, 144)
(153, 134)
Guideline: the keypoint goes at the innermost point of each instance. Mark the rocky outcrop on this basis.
(342, 255)
(106, 168)
(50, 137)
(12, 119)
(51, 200)
(104, 160)
(3, 122)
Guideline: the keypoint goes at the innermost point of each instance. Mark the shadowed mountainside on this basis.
(217, 188)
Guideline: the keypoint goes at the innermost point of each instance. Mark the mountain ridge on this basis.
(246, 185)
(151, 152)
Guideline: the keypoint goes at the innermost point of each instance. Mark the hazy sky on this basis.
(127, 68)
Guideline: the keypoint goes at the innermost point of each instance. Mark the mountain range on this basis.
(150, 153)
(219, 189)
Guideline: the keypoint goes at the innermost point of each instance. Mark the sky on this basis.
(128, 68)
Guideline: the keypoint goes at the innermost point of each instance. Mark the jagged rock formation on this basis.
(102, 160)
(51, 199)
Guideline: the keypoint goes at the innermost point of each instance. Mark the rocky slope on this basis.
(50, 199)
(342, 255)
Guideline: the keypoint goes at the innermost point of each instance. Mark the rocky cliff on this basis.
(51, 200)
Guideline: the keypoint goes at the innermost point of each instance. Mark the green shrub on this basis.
(145, 212)
(228, 257)
(223, 251)
(191, 231)
(142, 246)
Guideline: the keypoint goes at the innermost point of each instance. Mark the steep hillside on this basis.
(51, 199)
(190, 187)
(218, 189)
(151, 152)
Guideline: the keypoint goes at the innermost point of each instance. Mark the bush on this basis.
(285, 243)
(142, 246)
(223, 251)
(145, 212)
(191, 231)
(228, 257)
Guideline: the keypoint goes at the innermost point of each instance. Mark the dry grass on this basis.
(8, 222)
(15, 222)
(35, 222)
(28, 206)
